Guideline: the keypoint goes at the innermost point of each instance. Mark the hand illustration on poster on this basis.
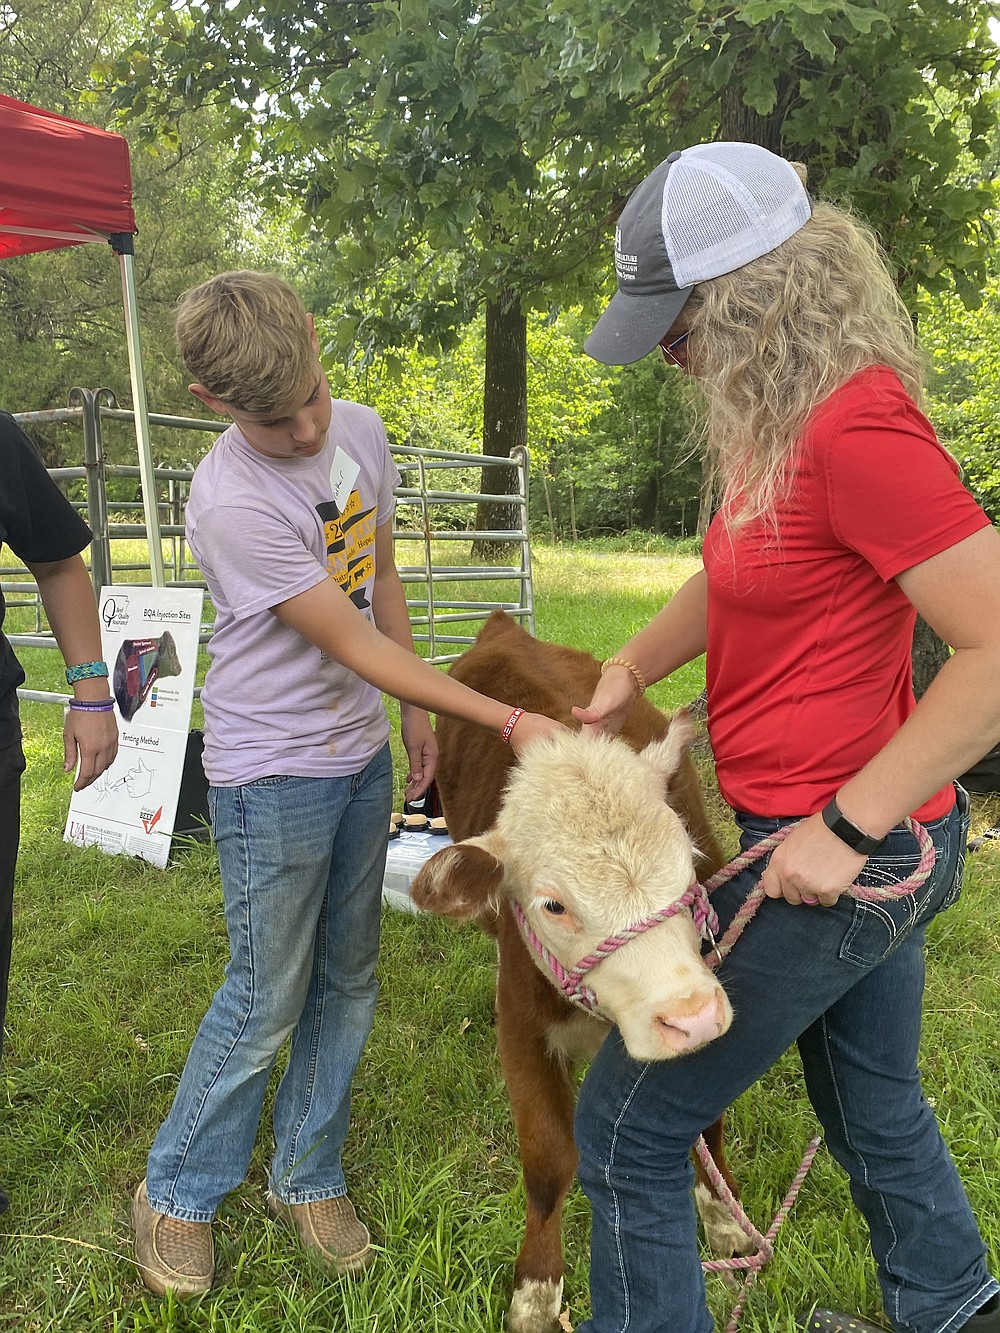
(139, 779)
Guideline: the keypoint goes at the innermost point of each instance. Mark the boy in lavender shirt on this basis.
(289, 518)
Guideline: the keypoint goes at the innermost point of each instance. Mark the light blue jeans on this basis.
(846, 984)
(302, 863)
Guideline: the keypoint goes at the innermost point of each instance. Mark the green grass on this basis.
(116, 962)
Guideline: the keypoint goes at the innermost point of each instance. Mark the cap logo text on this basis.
(626, 265)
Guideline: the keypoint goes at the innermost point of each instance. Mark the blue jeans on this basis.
(846, 984)
(302, 863)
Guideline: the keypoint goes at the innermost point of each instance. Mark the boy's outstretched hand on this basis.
(421, 750)
(533, 727)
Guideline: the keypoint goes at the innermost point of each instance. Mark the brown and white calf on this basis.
(587, 836)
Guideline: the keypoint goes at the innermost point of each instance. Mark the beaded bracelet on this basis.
(639, 678)
(92, 705)
(510, 724)
(86, 671)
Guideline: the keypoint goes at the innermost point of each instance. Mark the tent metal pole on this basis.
(121, 243)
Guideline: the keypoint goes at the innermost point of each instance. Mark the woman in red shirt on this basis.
(841, 518)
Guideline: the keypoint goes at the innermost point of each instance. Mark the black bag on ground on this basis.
(192, 804)
(984, 776)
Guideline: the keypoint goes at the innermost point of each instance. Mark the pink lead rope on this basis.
(752, 1263)
(765, 1244)
(570, 982)
(867, 893)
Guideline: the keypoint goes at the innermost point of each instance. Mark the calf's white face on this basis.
(588, 846)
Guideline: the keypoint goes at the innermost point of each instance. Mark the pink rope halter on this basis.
(570, 979)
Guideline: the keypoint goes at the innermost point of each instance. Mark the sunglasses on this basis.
(670, 349)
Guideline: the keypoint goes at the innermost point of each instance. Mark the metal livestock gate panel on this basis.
(447, 601)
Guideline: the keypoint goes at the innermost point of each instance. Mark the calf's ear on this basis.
(667, 754)
(463, 881)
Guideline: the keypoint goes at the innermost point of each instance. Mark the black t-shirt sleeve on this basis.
(37, 522)
(39, 525)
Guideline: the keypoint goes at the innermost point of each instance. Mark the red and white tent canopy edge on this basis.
(63, 182)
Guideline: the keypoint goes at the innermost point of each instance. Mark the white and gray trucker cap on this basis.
(702, 212)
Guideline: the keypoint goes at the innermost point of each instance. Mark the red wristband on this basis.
(510, 724)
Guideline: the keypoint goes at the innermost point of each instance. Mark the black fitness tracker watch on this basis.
(847, 832)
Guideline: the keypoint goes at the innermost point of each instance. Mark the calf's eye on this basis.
(553, 907)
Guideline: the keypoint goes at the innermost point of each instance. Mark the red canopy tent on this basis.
(66, 183)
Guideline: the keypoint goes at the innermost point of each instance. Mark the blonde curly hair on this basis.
(773, 339)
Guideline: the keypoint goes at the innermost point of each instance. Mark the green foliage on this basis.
(610, 448)
(890, 105)
(964, 386)
(425, 399)
(635, 467)
(61, 321)
(399, 124)
(436, 402)
(567, 391)
(452, 156)
(407, 161)
(506, 137)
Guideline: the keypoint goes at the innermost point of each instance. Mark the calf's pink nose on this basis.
(686, 1032)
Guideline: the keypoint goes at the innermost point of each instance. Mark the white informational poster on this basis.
(150, 642)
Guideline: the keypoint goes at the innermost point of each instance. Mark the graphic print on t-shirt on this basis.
(350, 546)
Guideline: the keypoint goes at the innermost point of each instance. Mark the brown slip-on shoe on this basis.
(329, 1229)
(172, 1255)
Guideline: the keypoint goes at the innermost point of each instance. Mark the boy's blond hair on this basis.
(245, 337)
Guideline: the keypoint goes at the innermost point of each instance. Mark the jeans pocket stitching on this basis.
(897, 924)
(888, 872)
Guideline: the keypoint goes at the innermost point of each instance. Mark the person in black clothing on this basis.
(46, 534)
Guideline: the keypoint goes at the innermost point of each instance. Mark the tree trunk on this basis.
(707, 494)
(505, 414)
(741, 124)
(658, 480)
(929, 655)
(571, 490)
(548, 506)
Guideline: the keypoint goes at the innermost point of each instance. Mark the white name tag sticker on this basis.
(344, 473)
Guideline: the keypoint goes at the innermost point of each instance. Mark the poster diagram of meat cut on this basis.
(150, 642)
